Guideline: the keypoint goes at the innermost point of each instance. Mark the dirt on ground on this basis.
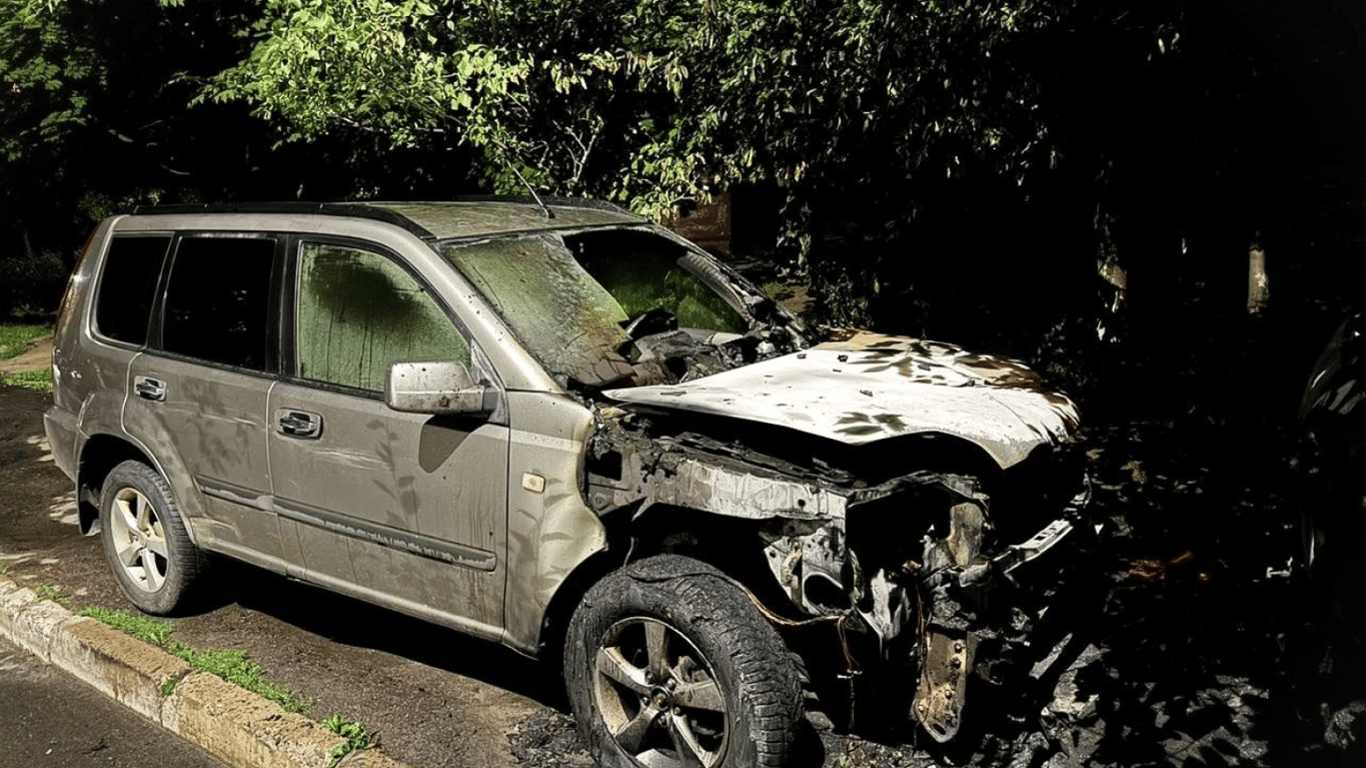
(38, 357)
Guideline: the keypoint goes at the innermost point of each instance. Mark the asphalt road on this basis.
(52, 719)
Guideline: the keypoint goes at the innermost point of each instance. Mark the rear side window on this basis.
(218, 300)
(127, 286)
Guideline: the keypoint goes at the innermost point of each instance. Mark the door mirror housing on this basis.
(437, 388)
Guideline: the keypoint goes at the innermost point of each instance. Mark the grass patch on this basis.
(236, 668)
(141, 627)
(38, 381)
(15, 337)
(168, 687)
(231, 665)
(356, 734)
(4, 570)
(48, 592)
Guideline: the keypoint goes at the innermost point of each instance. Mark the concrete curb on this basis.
(232, 724)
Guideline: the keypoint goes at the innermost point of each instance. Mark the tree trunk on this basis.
(28, 244)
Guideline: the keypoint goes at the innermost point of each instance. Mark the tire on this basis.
(667, 659)
(145, 540)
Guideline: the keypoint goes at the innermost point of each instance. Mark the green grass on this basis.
(231, 665)
(48, 592)
(356, 734)
(15, 337)
(236, 668)
(38, 381)
(141, 627)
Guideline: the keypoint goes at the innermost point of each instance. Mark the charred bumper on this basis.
(927, 573)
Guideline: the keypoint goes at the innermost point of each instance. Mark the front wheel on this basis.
(145, 541)
(668, 664)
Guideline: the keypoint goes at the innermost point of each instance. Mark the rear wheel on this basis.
(669, 664)
(145, 539)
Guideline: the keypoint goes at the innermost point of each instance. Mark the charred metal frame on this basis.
(924, 606)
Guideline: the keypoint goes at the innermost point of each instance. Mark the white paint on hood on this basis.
(870, 387)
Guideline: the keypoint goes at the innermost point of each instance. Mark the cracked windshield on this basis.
(577, 302)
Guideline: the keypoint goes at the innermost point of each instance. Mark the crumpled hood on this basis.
(866, 387)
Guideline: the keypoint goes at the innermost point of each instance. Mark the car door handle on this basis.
(299, 423)
(149, 388)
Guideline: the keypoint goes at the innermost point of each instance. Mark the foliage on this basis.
(646, 102)
(234, 667)
(49, 592)
(89, 124)
(357, 736)
(145, 629)
(906, 154)
(15, 337)
(49, 80)
(33, 285)
(231, 665)
(96, 116)
(38, 381)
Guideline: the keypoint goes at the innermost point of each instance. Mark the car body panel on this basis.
(870, 387)
(417, 501)
(551, 530)
(211, 423)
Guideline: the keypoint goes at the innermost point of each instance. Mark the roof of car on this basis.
(446, 220)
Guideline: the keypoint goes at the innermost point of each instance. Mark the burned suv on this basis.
(564, 429)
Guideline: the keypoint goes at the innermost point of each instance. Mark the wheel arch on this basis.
(555, 620)
(99, 455)
(658, 529)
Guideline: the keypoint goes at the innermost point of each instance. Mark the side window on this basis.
(218, 300)
(127, 285)
(358, 312)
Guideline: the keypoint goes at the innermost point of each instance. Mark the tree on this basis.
(93, 117)
(96, 115)
(645, 102)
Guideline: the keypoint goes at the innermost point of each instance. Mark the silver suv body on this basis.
(555, 427)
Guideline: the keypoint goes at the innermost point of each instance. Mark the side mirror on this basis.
(437, 388)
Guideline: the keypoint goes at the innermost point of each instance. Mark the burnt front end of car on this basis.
(920, 576)
(894, 489)
(928, 574)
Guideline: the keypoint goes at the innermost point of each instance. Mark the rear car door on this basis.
(197, 395)
(408, 510)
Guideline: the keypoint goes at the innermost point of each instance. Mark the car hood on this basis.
(863, 387)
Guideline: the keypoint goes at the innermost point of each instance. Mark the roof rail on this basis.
(563, 202)
(357, 210)
(371, 209)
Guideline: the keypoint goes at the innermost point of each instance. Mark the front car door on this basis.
(407, 510)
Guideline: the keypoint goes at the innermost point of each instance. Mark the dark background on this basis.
(1245, 128)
